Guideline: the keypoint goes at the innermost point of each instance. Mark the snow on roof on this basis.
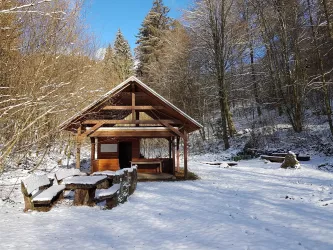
(49, 193)
(33, 182)
(119, 88)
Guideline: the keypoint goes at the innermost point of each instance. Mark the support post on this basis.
(78, 148)
(92, 153)
(173, 155)
(137, 114)
(133, 103)
(170, 143)
(177, 154)
(185, 155)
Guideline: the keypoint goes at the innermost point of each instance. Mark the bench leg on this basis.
(112, 202)
(84, 197)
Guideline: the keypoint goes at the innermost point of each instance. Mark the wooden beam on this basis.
(136, 134)
(92, 152)
(173, 155)
(170, 144)
(133, 103)
(185, 155)
(93, 129)
(137, 115)
(78, 148)
(113, 122)
(177, 154)
(176, 131)
(132, 107)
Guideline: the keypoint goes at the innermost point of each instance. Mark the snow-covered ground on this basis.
(255, 205)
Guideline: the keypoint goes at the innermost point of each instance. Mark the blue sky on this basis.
(105, 17)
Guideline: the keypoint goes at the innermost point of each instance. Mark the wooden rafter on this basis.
(93, 129)
(132, 107)
(176, 131)
(112, 122)
(133, 103)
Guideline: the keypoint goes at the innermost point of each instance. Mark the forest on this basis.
(222, 60)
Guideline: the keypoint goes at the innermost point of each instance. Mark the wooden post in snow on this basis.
(185, 154)
(170, 144)
(177, 154)
(173, 155)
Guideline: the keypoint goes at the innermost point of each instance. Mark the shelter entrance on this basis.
(125, 154)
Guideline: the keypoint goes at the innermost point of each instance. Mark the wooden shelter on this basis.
(117, 122)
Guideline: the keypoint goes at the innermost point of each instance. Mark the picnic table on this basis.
(84, 188)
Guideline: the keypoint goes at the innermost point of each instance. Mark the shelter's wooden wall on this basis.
(115, 155)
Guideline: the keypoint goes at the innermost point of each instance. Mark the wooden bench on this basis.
(64, 173)
(157, 162)
(39, 194)
(124, 184)
(105, 164)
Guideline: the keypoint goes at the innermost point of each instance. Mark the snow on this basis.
(64, 173)
(33, 182)
(106, 192)
(49, 193)
(106, 172)
(85, 180)
(254, 205)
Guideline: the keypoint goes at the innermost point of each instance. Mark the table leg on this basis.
(84, 197)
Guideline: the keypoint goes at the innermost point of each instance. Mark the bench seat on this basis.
(48, 195)
(102, 194)
(106, 172)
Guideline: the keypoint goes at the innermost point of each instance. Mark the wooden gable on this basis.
(125, 106)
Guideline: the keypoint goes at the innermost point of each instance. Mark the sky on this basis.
(105, 17)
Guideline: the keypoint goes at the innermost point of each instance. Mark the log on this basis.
(272, 158)
(299, 157)
(303, 158)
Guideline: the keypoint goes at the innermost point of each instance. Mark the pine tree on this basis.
(108, 67)
(118, 60)
(123, 60)
(149, 38)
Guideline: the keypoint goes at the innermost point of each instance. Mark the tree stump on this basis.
(290, 161)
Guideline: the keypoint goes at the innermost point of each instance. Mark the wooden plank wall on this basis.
(105, 140)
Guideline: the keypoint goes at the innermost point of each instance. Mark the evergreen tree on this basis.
(149, 38)
(118, 60)
(123, 60)
(108, 66)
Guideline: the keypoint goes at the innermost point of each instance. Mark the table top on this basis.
(83, 181)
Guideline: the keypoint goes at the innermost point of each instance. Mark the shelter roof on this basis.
(146, 100)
